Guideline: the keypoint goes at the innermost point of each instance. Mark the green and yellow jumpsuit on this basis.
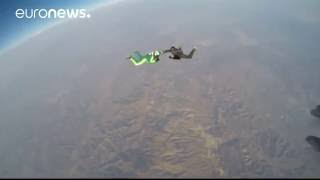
(137, 59)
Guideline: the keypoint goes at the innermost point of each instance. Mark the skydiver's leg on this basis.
(189, 56)
(137, 62)
(133, 60)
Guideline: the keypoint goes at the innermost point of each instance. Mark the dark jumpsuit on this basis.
(178, 53)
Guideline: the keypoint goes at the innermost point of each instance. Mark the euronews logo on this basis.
(52, 13)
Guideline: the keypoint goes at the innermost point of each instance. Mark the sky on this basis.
(13, 29)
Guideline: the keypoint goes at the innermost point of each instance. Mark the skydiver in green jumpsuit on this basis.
(153, 57)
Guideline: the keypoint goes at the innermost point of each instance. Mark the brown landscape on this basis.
(73, 106)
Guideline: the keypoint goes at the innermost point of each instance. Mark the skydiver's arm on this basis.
(166, 51)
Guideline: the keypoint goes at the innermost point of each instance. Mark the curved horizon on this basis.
(39, 27)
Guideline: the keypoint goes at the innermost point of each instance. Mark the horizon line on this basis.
(16, 43)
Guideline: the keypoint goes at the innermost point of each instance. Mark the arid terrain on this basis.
(73, 106)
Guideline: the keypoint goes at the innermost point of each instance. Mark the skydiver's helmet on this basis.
(157, 54)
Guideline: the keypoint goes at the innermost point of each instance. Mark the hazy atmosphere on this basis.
(71, 105)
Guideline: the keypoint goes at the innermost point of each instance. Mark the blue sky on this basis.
(13, 29)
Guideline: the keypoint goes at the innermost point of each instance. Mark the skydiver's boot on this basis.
(316, 112)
